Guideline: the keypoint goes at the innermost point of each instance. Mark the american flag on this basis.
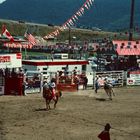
(30, 38)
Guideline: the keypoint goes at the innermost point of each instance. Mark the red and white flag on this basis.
(6, 33)
(30, 38)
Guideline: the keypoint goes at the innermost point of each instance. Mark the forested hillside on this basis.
(104, 14)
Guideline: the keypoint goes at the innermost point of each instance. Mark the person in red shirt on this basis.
(105, 135)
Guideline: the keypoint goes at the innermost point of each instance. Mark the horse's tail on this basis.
(60, 93)
(44, 93)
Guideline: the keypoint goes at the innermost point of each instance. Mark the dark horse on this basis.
(48, 96)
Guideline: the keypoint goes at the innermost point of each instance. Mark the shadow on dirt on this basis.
(100, 99)
(40, 109)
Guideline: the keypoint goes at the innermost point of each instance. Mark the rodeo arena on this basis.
(80, 90)
(116, 61)
(92, 90)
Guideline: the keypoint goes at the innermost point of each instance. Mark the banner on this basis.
(133, 81)
(11, 60)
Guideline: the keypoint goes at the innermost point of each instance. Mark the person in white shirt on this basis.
(52, 87)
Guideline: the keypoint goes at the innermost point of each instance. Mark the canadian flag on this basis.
(6, 33)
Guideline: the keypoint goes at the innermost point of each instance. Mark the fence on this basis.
(117, 78)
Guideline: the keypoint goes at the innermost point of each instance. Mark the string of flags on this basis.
(71, 21)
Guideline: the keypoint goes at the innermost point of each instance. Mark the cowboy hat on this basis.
(107, 126)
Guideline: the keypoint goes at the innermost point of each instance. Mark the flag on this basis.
(6, 33)
(30, 38)
(86, 6)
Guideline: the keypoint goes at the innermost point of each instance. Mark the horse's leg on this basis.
(55, 101)
(47, 104)
(106, 90)
(110, 94)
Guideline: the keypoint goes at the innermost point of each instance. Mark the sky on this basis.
(2, 1)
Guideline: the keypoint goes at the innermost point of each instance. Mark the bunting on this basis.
(71, 21)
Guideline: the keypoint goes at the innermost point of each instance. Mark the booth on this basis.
(10, 78)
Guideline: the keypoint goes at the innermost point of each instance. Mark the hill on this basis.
(18, 29)
(107, 15)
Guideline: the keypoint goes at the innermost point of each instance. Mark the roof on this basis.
(55, 62)
(19, 39)
(127, 47)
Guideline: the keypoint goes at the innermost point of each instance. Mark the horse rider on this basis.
(106, 84)
(96, 84)
(108, 88)
(52, 87)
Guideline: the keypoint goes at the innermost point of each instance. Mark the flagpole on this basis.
(8, 48)
(131, 20)
(25, 53)
(20, 49)
(69, 36)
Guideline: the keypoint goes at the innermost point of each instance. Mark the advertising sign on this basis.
(133, 81)
(10, 60)
(134, 78)
(5, 60)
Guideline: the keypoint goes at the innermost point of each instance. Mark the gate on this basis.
(65, 82)
(2, 83)
(115, 77)
(34, 82)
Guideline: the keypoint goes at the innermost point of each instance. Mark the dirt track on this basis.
(78, 116)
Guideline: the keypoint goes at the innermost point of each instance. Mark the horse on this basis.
(48, 96)
(108, 89)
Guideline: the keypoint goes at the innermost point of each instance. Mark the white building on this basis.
(10, 61)
(56, 65)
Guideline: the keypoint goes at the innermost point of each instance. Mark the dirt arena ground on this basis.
(78, 116)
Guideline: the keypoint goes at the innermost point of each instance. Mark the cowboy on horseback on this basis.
(52, 87)
(50, 93)
(108, 88)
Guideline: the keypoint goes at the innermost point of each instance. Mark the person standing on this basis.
(24, 87)
(96, 84)
(52, 54)
(85, 81)
(77, 81)
(105, 135)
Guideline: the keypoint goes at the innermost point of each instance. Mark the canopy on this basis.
(127, 47)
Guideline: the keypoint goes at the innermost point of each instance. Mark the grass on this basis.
(19, 29)
(25, 54)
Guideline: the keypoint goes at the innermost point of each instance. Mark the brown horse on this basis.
(48, 96)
